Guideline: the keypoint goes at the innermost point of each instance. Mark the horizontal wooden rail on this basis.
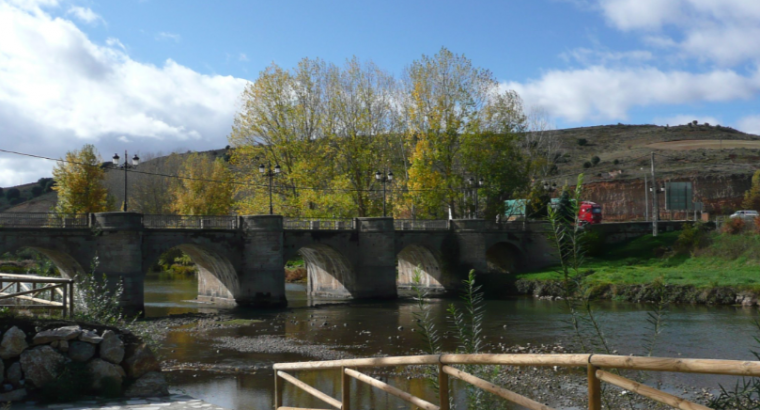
(391, 390)
(562, 360)
(367, 362)
(311, 390)
(646, 391)
(492, 388)
(15, 295)
(665, 364)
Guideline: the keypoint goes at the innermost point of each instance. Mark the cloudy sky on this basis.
(150, 76)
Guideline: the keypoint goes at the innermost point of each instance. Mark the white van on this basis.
(746, 215)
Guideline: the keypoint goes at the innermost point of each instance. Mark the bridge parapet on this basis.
(43, 220)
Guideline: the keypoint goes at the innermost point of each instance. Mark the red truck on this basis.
(590, 213)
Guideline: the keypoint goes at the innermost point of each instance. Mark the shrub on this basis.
(733, 226)
(617, 161)
(595, 160)
(37, 190)
(593, 243)
(1, 192)
(587, 164)
(693, 237)
(582, 142)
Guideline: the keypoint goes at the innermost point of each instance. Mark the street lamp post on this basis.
(267, 172)
(384, 179)
(135, 162)
(475, 187)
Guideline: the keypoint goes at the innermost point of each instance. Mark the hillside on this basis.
(719, 160)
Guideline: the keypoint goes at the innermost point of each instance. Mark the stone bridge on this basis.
(241, 259)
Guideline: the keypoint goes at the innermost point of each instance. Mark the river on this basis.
(689, 331)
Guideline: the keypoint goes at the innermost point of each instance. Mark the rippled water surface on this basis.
(690, 331)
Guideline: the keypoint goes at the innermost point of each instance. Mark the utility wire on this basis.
(217, 181)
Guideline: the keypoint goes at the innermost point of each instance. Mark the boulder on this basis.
(81, 351)
(61, 333)
(111, 347)
(14, 374)
(151, 384)
(63, 346)
(13, 343)
(101, 370)
(13, 395)
(41, 364)
(140, 360)
(90, 336)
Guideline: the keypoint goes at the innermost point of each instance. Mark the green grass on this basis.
(730, 260)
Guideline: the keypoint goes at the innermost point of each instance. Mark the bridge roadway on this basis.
(241, 259)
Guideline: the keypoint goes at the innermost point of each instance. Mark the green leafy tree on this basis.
(12, 194)
(79, 183)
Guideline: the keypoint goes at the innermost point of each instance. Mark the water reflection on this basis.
(385, 328)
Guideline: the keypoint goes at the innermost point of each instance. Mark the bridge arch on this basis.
(505, 258)
(429, 262)
(57, 252)
(330, 273)
(218, 279)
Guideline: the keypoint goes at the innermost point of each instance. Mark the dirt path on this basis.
(705, 144)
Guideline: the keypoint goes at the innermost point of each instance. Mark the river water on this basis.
(372, 328)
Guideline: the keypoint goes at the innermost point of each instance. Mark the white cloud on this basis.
(242, 57)
(114, 42)
(85, 14)
(602, 93)
(683, 119)
(168, 36)
(723, 32)
(750, 124)
(587, 56)
(59, 90)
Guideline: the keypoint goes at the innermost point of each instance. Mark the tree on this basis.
(752, 196)
(1, 192)
(595, 160)
(12, 193)
(582, 142)
(37, 190)
(205, 187)
(79, 183)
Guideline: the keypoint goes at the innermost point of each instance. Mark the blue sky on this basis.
(153, 76)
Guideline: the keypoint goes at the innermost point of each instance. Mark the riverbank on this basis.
(647, 269)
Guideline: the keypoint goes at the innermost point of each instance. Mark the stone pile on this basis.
(30, 361)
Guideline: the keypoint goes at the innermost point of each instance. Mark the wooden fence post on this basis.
(64, 309)
(279, 387)
(443, 387)
(594, 389)
(345, 389)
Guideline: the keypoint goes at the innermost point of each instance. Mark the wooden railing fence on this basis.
(34, 289)
(597, 372)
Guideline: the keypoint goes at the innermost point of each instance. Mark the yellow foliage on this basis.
(194, 194)
(79, 183)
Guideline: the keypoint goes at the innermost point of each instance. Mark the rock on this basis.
(41, 364)
(14, 374)
(90, 337)
(140, 360)
(2, 370)
(14, 342)
(62, 333)
(63, 345)
(81, 351)
(100, 370)
(151, 384)
(54, 345)
(14, 395)
(111, 347)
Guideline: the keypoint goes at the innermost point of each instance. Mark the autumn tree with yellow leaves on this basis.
(79, 183)
(204, 187)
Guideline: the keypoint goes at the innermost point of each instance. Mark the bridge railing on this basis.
(227, 222)
(339, 224)
(421, 224)
(43, 220)
(598, 368)
(35, 292)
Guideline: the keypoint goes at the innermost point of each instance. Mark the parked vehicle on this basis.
(590, 213)
(747, 215)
